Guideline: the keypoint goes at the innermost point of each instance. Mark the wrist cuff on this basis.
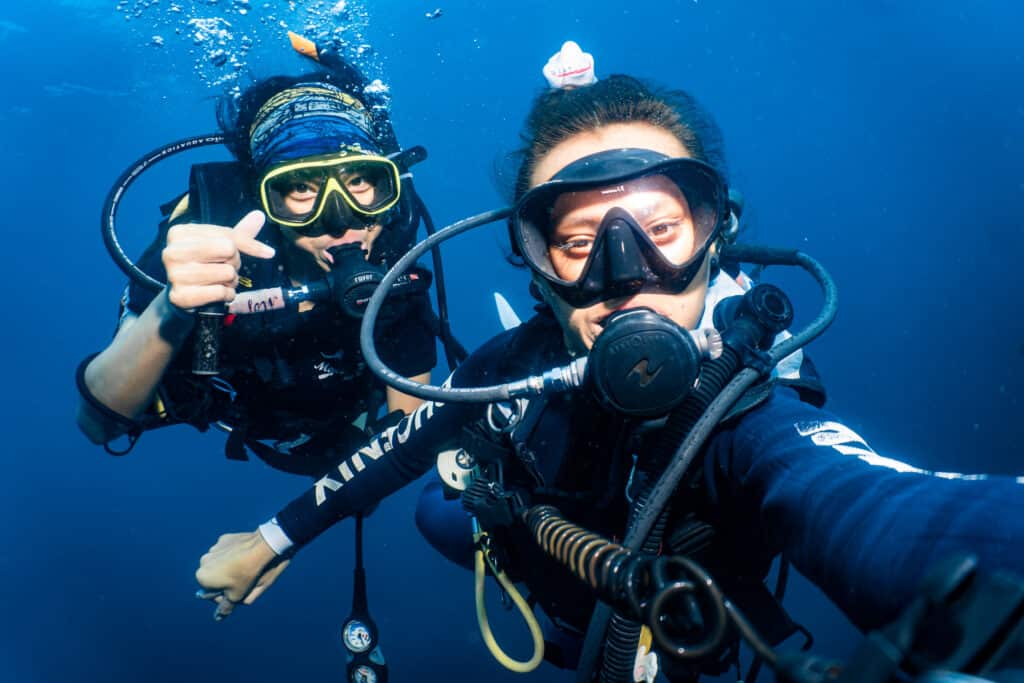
(275, 537)
(177, 313)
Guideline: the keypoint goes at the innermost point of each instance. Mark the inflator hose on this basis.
(481, 562)
(454, 352)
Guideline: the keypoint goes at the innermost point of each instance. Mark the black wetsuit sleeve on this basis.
(392, 458)
(792, 478)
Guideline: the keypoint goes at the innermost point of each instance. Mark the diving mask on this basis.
(361, 187)
(620, 222)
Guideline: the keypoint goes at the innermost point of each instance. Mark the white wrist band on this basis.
(275, 537)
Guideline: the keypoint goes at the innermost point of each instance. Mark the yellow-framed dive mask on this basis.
(361, 186)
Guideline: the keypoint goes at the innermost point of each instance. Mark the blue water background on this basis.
(884, 138)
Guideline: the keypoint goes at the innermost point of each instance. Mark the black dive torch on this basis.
(349, 284)
(206, 348)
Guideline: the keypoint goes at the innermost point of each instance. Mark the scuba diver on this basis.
(268, 261)
(668, 441)
(319, 197)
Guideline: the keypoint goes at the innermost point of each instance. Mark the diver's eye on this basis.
(575, 247)
(663, 231)
(298, 190)
(301, 188)
(358, 183)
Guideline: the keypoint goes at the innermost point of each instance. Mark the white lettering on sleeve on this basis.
(320, 486)
(836, 435)
(378, 446)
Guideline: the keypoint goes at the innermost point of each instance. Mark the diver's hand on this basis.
(202, 261)
(237, 569)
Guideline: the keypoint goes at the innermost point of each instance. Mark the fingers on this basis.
(200, 243)
(223, 609)
(244, 236)
(190, 297)
(202, 261)
(222, 605)
(265, 581)
(237, 568)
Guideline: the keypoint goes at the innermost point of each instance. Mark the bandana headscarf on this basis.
(307, 120)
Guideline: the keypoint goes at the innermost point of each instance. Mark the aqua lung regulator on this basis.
(353, 280)
(643, 364)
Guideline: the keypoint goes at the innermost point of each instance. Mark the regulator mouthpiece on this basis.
(644, 365)
(353, 280)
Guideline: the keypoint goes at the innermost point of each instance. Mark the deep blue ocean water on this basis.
(884, 138)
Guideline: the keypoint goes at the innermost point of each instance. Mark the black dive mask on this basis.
(662, 216)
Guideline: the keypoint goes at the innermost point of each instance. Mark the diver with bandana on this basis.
(623, 217)
(318, 189)
(244, 312)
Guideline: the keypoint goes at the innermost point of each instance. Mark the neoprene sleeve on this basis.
(799, 481)
(393, 458)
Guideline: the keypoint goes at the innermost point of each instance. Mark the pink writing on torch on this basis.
(259, 301)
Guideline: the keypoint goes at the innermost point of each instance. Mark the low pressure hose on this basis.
(108, 218)
(481, 562)
(206, 351)
(490, 394)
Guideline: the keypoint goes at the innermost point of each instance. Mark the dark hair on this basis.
(235, 114)
(557, 115)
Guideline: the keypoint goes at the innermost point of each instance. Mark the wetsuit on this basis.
(784, 477)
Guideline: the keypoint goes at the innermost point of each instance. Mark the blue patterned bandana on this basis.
(307, 120)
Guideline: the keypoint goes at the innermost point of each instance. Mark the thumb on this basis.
(244, 235)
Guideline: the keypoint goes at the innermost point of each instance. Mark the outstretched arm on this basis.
(240, 566)
(863, 527)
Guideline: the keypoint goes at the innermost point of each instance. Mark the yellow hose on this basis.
(524, 609)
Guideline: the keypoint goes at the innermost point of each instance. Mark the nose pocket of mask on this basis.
(622, 257)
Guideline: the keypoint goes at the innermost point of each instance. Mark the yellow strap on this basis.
(159, 408)
(480, 575)
(645, 638)
(180, 208)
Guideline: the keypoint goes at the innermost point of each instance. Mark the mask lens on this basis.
(368, 185)
(294, 194)
(656, 203)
